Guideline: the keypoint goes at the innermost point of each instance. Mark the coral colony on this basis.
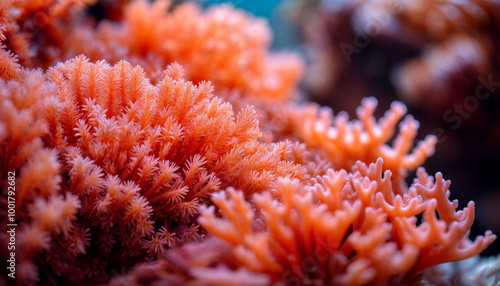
(168, 148)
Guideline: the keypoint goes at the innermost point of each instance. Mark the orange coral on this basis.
(28, 24)
(9, 67)
(345, 142)
(114, 162)
(347, 229)
(222, 45)
(47, 214)
(140, 157)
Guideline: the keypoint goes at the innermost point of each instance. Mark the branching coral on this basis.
(348, 229)
(344, 142)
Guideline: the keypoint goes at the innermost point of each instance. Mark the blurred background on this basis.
(440, 57)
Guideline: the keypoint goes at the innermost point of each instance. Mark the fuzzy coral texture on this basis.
(173, 152)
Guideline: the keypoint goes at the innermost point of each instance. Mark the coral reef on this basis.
(441, 58)
(169, 147)
(347, 229)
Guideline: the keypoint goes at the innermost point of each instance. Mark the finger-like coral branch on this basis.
(354, 219)
(366, 140)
